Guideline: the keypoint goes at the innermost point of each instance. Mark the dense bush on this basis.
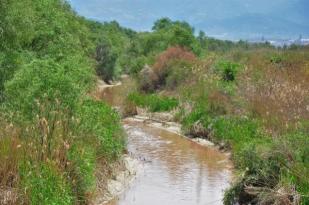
(167, 69)
(106, 61)
(163, 61)
(52, 135)
(100, 126)
(45, 84)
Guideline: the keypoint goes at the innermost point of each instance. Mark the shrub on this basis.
(147, 79)
(293, 149)
(259, 175)
(178, 74)
(276, 59)
(42, 83)
(227, 70)
(162, 65)
(196, 123)
(99, 125)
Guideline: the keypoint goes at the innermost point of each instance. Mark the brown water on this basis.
(176, 171)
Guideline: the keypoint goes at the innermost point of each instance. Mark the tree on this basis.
(106, 59)
(163, 23)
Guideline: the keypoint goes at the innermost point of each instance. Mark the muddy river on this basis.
(176, 171)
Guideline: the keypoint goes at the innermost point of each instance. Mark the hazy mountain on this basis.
(253, 26)
(222, 18)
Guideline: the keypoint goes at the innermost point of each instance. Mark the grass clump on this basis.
(82, 167)
(153, 102)
(43, 184)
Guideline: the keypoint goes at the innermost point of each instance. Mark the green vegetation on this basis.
(227, 70)
(244, 99)
(153, 102)
(250, 98)
(51, 134)
(44, 185)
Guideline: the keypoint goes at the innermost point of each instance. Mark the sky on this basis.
(224, 19)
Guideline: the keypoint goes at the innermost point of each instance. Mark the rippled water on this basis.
(176, 170)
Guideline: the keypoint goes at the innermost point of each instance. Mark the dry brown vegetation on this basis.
(154, 77)
(277, 92)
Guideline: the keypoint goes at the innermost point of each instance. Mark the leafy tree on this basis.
(163, 23)
(106, 59)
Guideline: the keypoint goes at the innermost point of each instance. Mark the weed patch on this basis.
(153, 102)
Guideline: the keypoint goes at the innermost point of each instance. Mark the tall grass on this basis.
(255, 103)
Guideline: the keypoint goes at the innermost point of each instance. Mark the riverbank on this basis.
(124, 172)
(110, 185)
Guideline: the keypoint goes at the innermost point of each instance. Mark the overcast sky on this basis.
(229, 19)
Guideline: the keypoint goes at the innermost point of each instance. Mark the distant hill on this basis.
(253, 26)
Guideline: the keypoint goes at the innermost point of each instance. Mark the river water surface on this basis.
(176, 171)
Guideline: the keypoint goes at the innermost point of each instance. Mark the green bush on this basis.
(46, 70)
(198, 115)
(153, 102)
(227, 70)
(100, 126)
(276, 59)
(43, 84)
(44, 184)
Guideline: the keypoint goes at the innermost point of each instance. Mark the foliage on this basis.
(250, 97)
(101, 124)
(106, 61)
(43, 83)
(161, 66)
(165, 69)
(46, 70)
